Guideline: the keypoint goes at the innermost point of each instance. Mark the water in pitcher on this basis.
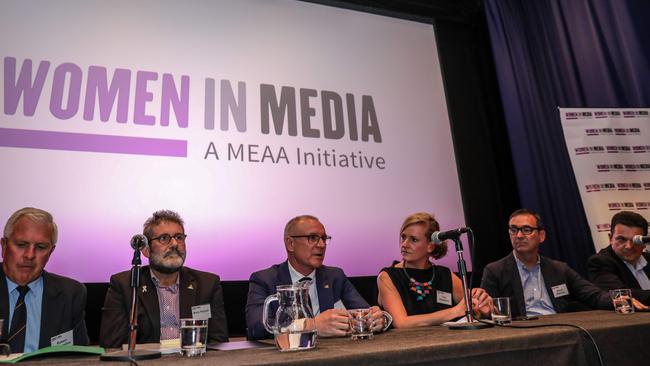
(296, 341)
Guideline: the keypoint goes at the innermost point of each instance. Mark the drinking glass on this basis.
(622, 299)
(360, 323)
(194, 336)
(501, 310)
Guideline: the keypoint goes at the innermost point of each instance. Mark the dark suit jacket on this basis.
(331, 285)
(195, 288)
(608, 271)
(63, 307)
(501, 279)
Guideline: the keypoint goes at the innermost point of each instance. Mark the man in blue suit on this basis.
(331, 292)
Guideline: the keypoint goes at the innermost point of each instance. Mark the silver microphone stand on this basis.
(131, 353)
(462, 270)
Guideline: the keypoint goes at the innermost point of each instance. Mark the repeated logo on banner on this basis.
(610, 155)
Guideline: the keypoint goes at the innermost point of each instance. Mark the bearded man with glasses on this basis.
(537, 285)
(330, 292)
(167, 292)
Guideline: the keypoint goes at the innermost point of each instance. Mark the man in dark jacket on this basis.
(623, 264)
(535, 284)
(167, 291)
(331, 292)
(37, 305)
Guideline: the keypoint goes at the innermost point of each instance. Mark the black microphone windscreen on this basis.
(139, 241)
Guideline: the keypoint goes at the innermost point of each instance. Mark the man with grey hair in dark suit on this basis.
(330, 291)
(37, 305)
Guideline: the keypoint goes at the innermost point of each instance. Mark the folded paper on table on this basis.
(230, 346)
(52, 350)
(165, 347)
(459, 321)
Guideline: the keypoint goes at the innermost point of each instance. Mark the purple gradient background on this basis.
(235, 211)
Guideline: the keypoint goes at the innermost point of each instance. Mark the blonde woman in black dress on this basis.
(417, 292)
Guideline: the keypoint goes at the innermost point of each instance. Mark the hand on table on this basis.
(481, 301)
(333, 323)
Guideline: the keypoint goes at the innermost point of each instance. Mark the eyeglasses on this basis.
(165, 239)
(526, 230)
(313, 239)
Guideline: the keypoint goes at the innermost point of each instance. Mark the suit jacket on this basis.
(195, 288)
(331, 285)
(608, 271)
(63, 308)
(501, 279)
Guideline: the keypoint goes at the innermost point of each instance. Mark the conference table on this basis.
(621, 338)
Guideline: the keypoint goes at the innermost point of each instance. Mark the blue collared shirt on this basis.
(639, 273)
(538, 302)
(33, 302)
(313, 294)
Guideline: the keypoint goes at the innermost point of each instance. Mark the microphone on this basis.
(640, 240)
(139, 241)
(439, 236)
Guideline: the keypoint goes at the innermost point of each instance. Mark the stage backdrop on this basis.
(610, 154)
(237, 114)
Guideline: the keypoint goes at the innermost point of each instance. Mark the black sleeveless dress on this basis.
(441, 296)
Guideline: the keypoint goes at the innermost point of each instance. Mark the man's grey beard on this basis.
(157, 262)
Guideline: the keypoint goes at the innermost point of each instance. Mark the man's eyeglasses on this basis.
(526, 230)
(165, 239)
(313, 239)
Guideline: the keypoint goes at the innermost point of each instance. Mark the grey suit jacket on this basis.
(63, 308)
(195, 288)
(501, 279)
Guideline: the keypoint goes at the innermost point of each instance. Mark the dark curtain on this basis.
(564, 53)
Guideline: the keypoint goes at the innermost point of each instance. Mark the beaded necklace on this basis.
(420, 289)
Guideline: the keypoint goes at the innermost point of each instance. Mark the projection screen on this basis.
(236, 114)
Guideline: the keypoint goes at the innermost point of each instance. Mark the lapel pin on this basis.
(190, 287)
(144, 288)
(327, 285)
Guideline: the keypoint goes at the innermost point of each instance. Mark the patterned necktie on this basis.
(18, 322)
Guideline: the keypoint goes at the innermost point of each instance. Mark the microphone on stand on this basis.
(640, 239)
(138, 241)
(440, 236)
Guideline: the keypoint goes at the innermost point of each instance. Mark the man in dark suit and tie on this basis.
(331, 292)
(37, 305)
(623, 264)
(538, 285)
(167, 291)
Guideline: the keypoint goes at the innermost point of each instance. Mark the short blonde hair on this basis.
(35, 215)
(440, 250)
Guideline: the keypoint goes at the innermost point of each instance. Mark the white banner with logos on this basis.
(610, 153)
